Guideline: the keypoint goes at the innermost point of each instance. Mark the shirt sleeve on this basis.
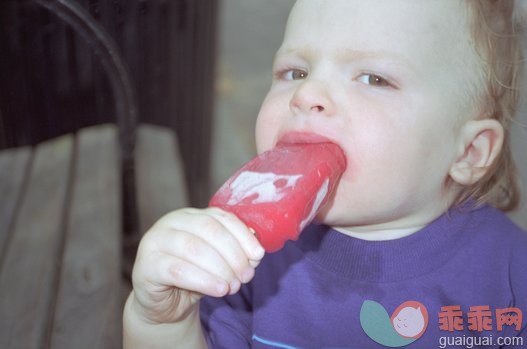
(227, 321)
(518, 284)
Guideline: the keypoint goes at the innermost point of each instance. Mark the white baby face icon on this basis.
(409, 322)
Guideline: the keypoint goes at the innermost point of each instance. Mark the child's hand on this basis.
(190, 253)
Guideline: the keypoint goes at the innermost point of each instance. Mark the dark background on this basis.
(52, 82)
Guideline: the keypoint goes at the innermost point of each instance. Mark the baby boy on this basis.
(419, 95)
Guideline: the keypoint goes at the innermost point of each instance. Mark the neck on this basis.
(403, 227)
(378, 234)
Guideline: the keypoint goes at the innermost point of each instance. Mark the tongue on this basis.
(281, 191)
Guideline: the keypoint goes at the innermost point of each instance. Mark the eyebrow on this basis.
(346, 54)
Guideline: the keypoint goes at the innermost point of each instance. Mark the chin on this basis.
(329, 216)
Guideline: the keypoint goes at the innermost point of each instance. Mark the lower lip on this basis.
(302, 137)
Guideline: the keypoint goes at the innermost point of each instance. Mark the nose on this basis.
(312, 97)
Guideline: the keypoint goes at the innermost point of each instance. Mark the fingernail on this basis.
(254, 263)
(221, 288)
(234, 286)
(258, 252)
(247, 275)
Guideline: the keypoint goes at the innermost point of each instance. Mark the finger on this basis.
(241, 232)
(207, 223)
(209, 228)
(195, 250)
(179, 273)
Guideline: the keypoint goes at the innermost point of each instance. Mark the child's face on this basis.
(390, 82)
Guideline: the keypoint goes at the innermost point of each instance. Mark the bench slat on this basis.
(88, 313)
(29, 270)
(60, 233)
(13, 167)
(160, 175)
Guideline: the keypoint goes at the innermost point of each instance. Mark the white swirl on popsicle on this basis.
(321, 194)
(265, 186)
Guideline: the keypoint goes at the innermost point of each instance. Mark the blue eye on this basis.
(294, 74)
(374, 80)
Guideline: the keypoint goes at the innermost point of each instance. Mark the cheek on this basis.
(372, 148)
(382, 160)
(268, 124)
(264, 134)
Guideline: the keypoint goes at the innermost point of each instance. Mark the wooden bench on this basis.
(61, 282)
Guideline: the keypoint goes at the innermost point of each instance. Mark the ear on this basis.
(480, 144)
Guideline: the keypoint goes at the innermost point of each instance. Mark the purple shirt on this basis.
(465, 268)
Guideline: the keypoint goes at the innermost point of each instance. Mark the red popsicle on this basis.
(281, 191)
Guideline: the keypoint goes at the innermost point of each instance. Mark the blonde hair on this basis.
(496, 36)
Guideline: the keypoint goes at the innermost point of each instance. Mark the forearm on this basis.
(139, 334)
